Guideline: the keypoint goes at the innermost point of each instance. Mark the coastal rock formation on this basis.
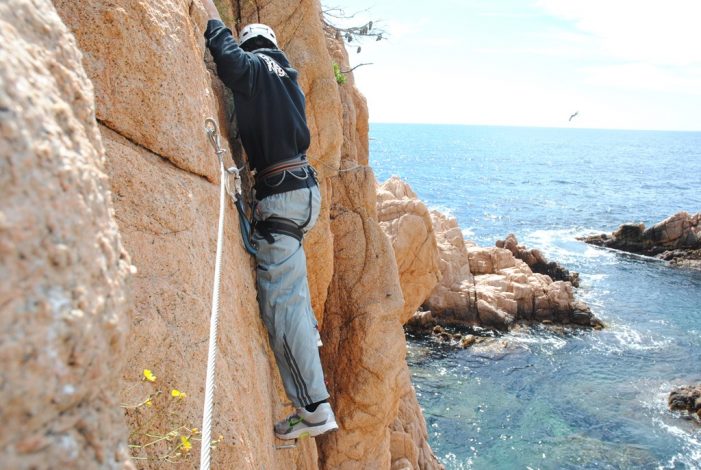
(154, 84)
(686, 399)
(491, 287)
(407, 223)
(537, 262)
(676, 239)
(64, 290)
(165, 182)
(453, 293)
(364, 352)
(363, 340)
(409, 435)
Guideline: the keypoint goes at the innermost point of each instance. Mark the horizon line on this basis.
(535, 126)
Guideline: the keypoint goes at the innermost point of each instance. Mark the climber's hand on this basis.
(211, 9)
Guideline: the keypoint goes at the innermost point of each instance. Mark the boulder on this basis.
(451, 296)
(537, 262)
(407, 223)
(687, 399)
(495, 287)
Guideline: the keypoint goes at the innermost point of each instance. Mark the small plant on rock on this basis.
(162, 432)
(340, 78)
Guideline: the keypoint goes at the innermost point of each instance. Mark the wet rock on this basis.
(421, 322)
(467, 341)
(447, 337)
(686, 399)
(537, 262)
(677, 239)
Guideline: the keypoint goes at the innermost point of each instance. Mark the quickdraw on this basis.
(234, 192)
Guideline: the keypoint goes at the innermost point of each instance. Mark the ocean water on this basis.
(544, 398)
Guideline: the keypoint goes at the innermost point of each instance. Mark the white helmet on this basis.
(255, 30)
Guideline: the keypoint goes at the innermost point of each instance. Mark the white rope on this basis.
(205, 451)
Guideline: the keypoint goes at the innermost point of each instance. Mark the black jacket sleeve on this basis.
(237, 69)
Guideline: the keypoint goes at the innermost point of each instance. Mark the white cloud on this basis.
(664, 33)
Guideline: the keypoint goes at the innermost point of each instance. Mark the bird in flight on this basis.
(573, 116)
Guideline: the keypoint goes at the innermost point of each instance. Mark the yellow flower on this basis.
(178, 394)
(185, 444)
(148, 374)
(149, 402)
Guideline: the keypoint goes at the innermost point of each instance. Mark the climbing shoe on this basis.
(303, 423)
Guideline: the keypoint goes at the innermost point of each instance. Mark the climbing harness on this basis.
(284, 166)
(273, 177)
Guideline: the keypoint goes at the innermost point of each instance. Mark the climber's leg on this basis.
(284, 298)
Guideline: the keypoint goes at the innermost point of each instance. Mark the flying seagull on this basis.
(573, 116)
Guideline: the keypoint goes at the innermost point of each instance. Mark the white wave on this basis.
(468, 233)
(620, 338)
(445, 210)
(561, 245)
(691, 455)
(528, 338)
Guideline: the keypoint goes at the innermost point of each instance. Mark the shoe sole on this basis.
(309, 432)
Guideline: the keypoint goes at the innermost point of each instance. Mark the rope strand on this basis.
(205, 451)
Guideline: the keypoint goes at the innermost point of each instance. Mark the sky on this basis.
(621, 64)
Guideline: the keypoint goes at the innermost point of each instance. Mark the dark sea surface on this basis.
(542, 398)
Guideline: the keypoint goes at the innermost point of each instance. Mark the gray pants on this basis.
(283, 295)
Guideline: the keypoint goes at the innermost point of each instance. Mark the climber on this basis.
(270, 110)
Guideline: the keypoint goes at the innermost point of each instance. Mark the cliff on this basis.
(104, 153)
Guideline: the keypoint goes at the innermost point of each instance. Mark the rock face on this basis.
(676, 239)
(407, 223)
(63, 295)
(537, 262)
(153, 91)
(686, 399)
(491, 287)
(364, 351)
(64, 307)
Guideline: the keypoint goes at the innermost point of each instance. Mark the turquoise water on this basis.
(540, 398)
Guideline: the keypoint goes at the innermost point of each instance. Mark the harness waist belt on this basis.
(285, 176)
(296, 163)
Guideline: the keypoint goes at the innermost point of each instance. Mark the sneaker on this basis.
(303, 423)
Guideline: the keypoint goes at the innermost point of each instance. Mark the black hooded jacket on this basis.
(269, 102)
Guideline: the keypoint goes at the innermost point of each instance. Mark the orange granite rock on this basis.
(64, 292)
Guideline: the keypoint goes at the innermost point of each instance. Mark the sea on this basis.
(544, 397)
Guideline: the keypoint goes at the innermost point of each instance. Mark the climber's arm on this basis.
(237, 69)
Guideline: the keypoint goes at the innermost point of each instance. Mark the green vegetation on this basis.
(340, 78)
